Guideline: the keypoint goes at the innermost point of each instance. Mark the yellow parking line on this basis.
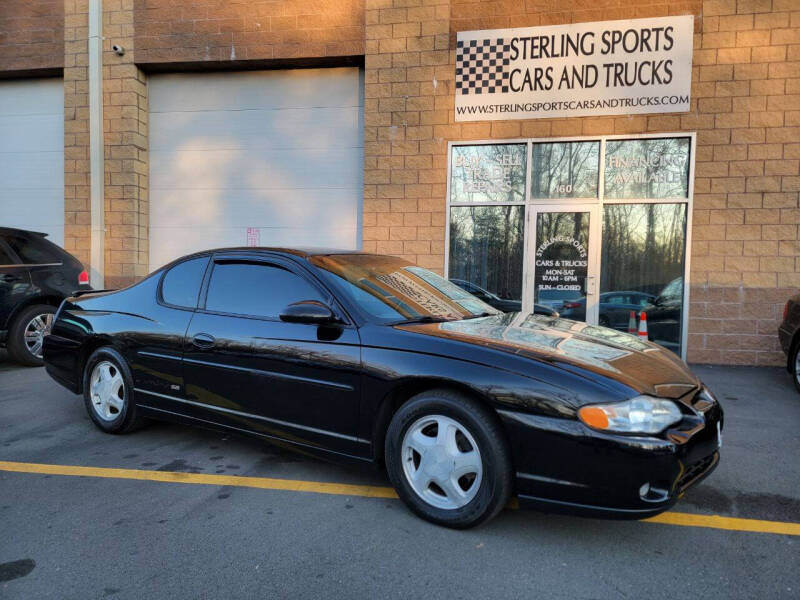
(366, 491)
(264, 483)
(730, 523)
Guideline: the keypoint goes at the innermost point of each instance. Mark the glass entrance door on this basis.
(563, 257)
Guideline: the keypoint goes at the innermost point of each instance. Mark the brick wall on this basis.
(125, 118)
(408, 69)
(745, 109)
(745, 259)
(31, 35)
(239, 30)
(77, 213)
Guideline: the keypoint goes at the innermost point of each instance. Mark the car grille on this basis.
(696, 470)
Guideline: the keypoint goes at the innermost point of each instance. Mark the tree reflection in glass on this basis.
(486, 247)
(643, 252)
(647, 168)
(565, 170)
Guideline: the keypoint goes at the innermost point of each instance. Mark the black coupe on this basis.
(371, 359)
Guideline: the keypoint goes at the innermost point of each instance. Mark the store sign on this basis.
(488, 173)
(561, 264)
(585, 69)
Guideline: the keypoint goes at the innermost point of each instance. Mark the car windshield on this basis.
(391, 289)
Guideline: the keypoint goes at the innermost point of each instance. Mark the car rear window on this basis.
(181, 284)
(34, 250)
(256, 289)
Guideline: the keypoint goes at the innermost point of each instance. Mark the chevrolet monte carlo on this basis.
(368, 358)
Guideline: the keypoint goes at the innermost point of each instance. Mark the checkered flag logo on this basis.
(481, 66)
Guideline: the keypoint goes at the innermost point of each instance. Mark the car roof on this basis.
(22, 231)
(297, 252)
(304, 252)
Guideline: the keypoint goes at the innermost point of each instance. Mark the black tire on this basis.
(496, 484)
(17, 348)
(793, 363)
(603, 321)
(126, 419)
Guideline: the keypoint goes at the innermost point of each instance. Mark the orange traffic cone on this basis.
(643, 326)
(632, 323)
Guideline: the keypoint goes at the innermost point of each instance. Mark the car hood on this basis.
(572, 345)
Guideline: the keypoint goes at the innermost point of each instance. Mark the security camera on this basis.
(118, 50)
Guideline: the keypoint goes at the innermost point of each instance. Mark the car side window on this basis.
(181, 284)
(615, 299)
(33, 250)
(256, 289)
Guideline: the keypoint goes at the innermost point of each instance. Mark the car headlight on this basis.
(642, 414)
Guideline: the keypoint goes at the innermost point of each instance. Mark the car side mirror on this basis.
(308, 311)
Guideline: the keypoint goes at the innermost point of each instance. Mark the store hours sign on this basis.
(562, 265)
(585, 69)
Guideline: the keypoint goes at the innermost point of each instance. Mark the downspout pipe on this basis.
(96, 149)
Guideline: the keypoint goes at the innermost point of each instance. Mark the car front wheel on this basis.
(448, 459)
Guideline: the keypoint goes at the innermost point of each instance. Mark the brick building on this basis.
(333, 122)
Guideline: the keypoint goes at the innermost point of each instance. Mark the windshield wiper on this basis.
(421, 319)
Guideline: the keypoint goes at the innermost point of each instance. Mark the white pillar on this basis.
(96, 151)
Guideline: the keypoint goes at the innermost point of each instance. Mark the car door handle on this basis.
(203, 340)
(9, 278)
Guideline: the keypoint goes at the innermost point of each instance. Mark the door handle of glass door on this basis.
(590, 285)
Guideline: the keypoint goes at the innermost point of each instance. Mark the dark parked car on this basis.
(789, 337)
(368, 358)
(664, 316)
(501, 304)
(615, 308)
(35, 276)
(556, 299)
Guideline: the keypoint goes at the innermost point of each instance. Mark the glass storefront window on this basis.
(488, 173)
(635, 192)
(486, 252)
(647, 168)
(642, 266)
(565, 170)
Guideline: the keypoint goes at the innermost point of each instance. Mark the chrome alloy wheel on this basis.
(107, 390)
(35, 332)
(442, 462)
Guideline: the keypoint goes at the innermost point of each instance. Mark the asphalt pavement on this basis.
(84, 537)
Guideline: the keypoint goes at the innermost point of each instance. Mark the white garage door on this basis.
(270, 157)
(32, 156)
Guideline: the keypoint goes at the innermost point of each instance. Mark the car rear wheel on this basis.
(108, 392)
(27, 332)
(448, 459)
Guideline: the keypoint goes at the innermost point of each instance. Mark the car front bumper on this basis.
(563, 466)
